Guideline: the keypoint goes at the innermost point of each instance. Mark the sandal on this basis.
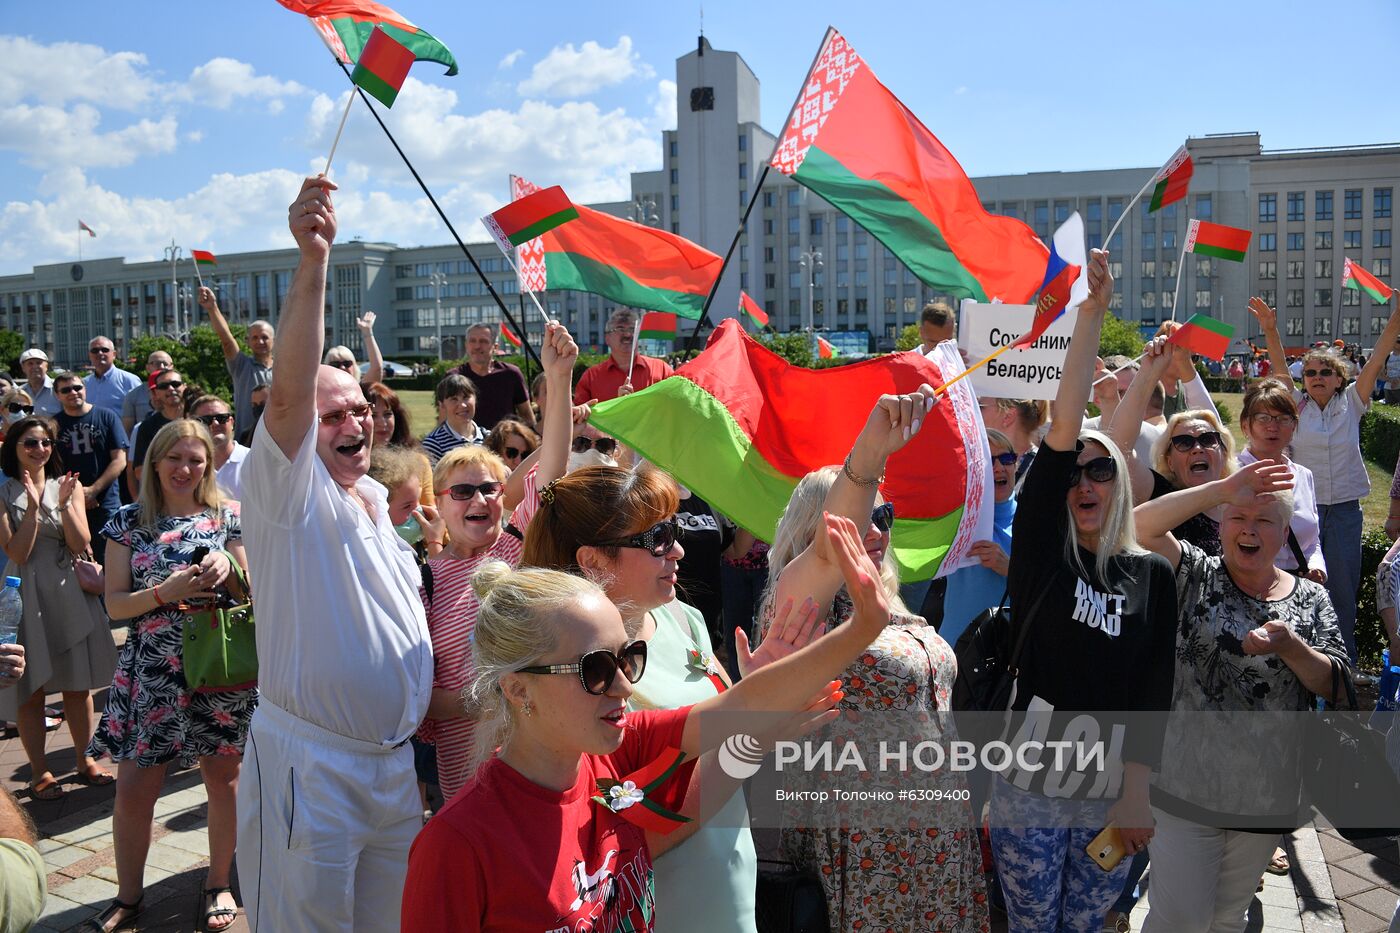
(1278, 865)
(46, 788)
(214, 911)
(96, 777)
(99, 923)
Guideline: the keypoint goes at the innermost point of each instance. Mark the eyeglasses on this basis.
(99, 349)
(1006, 459)
(32, 442)
(170, 385)
(882, 517)
(1324, 372)
(16, 408)
(604, 445)
(1206, 440)
(69, 390)
(658, 539)
(1266, 419)
(334, 419)
(596, 670)
(516, 453)
(464, 491)
(1099, 470)
(211, 420)
(342, 364)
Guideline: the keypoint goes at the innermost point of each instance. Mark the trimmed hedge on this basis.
(1380, 435)
(1370, 634)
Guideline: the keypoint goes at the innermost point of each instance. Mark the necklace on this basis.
(1261, 595)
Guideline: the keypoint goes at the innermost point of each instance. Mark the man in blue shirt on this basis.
(93, 445)
(108, 385)
(38, 384)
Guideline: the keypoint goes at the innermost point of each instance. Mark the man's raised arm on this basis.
(291, 404)
(210, 304)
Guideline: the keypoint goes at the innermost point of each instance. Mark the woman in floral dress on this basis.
(152, 717)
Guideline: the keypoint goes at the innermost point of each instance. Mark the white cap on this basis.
(33, 353)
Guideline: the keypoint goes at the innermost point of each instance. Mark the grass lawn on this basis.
(421, 411)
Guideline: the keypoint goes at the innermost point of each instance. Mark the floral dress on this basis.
(152, 716)
(925, 876)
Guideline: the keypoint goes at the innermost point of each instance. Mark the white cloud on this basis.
(46, 136)
(664, 105)
(960, 89)
(577, 72)
(194, 136)
(72, 71)
(221, 81)
(510, 60)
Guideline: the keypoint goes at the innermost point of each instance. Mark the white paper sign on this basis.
(1033, 372)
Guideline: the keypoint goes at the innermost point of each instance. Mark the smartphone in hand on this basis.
(1107, 848)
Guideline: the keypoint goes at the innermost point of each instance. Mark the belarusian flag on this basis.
(1354, 275)
(83, 226)
(752, 309)
(630, 264)
(345, 27)
(525, 218)
(1217, 240)
(851, 141)
(1204, 335)
(658, 325)
(825, 350)
(511, 339)
(1172, 181)
(738, 426)
(382, 67)
(203, 258)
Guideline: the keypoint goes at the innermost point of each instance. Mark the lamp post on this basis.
(439, 282)
(173, 254)
(644, 210)
(811, 260)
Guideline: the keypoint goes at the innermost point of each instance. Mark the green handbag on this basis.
(220, 645)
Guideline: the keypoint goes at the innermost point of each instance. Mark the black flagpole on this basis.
(524, 337)
(709, 299)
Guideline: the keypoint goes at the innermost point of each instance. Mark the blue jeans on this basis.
(741, 590)
(1340, 530)
(1132, 893)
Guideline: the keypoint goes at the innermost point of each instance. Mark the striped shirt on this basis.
(451, 621)
(443, 438)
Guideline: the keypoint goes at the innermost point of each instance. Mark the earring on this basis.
(528, 708)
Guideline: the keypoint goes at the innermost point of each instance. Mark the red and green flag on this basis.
(526, 218)
(382, 67)
(1204, 335)
(1354, 275)
(1173, 180)
(825, 350)
(752, 309)
(1218, 240)
(737, 425)
(204, 258)
(852, 142)
(625, 262)
(658, 325)
(82, 226)
(511, 339)
(346, 25)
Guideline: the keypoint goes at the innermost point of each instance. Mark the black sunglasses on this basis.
(658, 539)
(342, 364)
(464, 491)
(604, 445)
(1006, 459)
(1206, 440)
(882, 517)
(515, 453)
(1099, 470)
(69, 390)
(31, 443)
(16, 408)
(99, 349)
(209, 420)
(597, 669)
(170, 384)
(1325, 372)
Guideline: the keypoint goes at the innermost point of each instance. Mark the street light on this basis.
(173, 254)
(439, 282)
(811, 260)
(644, 210)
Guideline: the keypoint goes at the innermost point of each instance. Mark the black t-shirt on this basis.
(1101, 646)
(86, 443)
(145, 433)
(1200, 529)
(497, 393)
(704, 540)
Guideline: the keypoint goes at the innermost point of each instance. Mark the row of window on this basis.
(1322, 205)
(422, 270)
(1322, 239)
(1322, 268)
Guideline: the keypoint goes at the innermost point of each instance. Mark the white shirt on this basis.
(1328, 442)
(1295, 369)
(342, 637)
(1305, 518)
(230, 475)
(1146, 437)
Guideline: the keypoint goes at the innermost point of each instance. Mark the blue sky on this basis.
(195, 120)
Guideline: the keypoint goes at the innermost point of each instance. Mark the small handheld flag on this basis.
(1218, 240)
(752, 309)
(658, 325)
(1172, 181)
(1354, 275)
(1204, 336)
(825, 350)
(511, 339)
(203, 258)
(525, 218)
(383, 67)
(1062, 273)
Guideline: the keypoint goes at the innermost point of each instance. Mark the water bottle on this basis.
(11, 611)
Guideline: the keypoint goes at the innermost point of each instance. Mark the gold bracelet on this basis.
(859, 480)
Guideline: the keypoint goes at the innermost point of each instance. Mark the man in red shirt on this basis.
(609, 379)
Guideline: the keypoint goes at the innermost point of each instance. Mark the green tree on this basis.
(908, 338)
(11, 346)
(1119, 336)
(796, 348)
(200, 362)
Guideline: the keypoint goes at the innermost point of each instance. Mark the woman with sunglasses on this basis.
(512, 440)
(972, 589)
(471, 499)
(342, 357)
(1328, 442)
(15, 405)
(549, 835)
(64, 630)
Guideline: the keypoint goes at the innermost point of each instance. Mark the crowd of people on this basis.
(512, 610)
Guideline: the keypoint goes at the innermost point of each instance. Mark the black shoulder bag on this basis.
(1345, 767)
(988, 662)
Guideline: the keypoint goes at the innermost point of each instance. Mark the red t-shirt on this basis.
(507, 854)
(602, 380)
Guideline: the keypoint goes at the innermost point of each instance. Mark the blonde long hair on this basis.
(151, 502)
(1162, 464)
(1117, 534)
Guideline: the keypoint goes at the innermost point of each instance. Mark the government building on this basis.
(806, 263)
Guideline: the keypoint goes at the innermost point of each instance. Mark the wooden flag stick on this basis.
(943, 389)
(530, 292)
(338, 130)
(197, 276)
(632, 360)
(1180, 271)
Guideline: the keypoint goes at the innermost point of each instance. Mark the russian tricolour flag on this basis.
(1065, 284)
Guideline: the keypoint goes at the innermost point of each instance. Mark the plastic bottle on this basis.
(11, 611)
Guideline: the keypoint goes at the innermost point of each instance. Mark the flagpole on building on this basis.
(80, 241)
(729, 254)
(524, 337)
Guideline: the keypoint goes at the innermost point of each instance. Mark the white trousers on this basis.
(1202, 878)
(324, 827)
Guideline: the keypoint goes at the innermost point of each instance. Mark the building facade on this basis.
(803, 260)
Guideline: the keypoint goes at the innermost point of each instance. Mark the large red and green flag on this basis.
(1354, 275)
(1172, 181)
(346, 25)
(737, 425)
(382, 67)
(851, 141)
(1218, 240)
(752, 309)
(631, 264)
(204, 258)
(511, 339)
(524, 219)
(658, 325)
(1204, 335)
